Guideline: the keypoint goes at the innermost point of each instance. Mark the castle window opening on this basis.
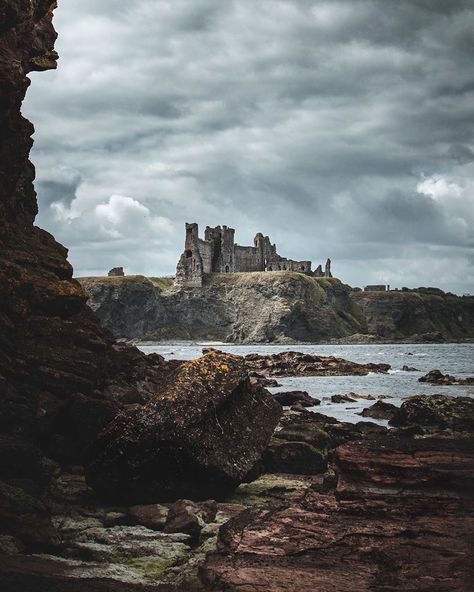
(189, 254)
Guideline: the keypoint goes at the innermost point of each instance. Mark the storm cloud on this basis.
(342, 129)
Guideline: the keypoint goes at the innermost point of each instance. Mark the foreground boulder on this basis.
(196, 439)
(436, 377)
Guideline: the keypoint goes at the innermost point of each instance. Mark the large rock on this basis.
(299, 447)
(196, 439)
(436, 411)
(437, 377)
(402, 519)
(380, 410)
(288, 398)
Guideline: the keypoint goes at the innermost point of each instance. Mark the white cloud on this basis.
(440, 188)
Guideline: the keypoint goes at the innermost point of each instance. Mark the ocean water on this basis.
(455, 359)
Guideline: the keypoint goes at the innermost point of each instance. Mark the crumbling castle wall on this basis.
(249, 259)
(218, 253)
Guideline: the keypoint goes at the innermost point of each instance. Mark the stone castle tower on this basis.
(218, 253)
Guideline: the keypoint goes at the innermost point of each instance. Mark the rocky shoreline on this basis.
(328, 502)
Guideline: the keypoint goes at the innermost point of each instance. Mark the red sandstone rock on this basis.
(189, 518)
(152, 515)
(403, 521)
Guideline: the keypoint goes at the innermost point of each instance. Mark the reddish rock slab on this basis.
(402, 519)
(152, 516)
(388, 466)
(332, 547)
(380, 410)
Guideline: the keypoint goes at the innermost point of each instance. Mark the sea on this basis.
(394, 387)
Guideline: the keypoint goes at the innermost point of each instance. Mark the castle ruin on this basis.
(218, 253)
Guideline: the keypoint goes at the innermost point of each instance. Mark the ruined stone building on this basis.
(218, 253)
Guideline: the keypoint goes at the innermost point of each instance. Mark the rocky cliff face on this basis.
(425, 312)
(273, 307)
(239, 307)
(62, 376)
(51, 346)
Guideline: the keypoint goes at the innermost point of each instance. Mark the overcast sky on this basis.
(342, 129)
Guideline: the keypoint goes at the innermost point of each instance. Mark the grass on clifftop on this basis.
(162, 283)
(251, 278)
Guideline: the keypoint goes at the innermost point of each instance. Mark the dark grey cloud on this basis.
(342, 128)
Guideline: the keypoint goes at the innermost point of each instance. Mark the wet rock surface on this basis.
(380, 410)
(196, 438)
(436, 412)
(399, 504)
(292, 363)
(289, 398)
(436, 377)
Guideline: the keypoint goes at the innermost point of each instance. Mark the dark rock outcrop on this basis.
(292, 363)
(380, 410)
(299, 446)
(436, 411)
(197, 438)
(288, 398)
(436, 377)
(342, 399)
